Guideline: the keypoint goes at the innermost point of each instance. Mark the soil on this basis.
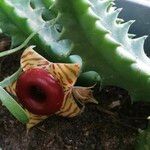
(111, 125)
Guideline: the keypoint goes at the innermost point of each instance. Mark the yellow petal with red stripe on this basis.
(67, 74)
(12, 88)
(34, 119)
(30, 59)
(69, 107)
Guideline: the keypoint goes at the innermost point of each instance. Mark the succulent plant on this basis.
(86, 32)
(120, 60)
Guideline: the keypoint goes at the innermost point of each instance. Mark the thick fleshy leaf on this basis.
(18, 20)
(16, 110)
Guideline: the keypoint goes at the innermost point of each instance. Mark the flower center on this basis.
(37, 93)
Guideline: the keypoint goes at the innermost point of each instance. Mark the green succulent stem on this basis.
(103, 51)
(19, 20)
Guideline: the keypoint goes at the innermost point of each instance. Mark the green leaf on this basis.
(46, 4)
(105, 46)
(18, 20)
(16, 110)
(41, 3)
(9, 80)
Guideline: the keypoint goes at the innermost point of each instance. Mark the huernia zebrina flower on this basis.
(66, 76)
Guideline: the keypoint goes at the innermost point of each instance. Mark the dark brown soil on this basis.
(102, 126)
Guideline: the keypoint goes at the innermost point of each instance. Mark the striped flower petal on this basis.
(69, 107)
(34, 119)
(66, 74)
(12, 88)
(30, 59)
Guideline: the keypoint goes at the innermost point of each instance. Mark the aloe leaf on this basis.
(99, 39)
(16, 110)
(105, 46)
(45, 5)
(18, 20)
(41, 3)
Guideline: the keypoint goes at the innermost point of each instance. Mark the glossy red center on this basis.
(39, 92)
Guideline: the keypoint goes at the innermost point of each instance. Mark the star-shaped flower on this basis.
(65, 74)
